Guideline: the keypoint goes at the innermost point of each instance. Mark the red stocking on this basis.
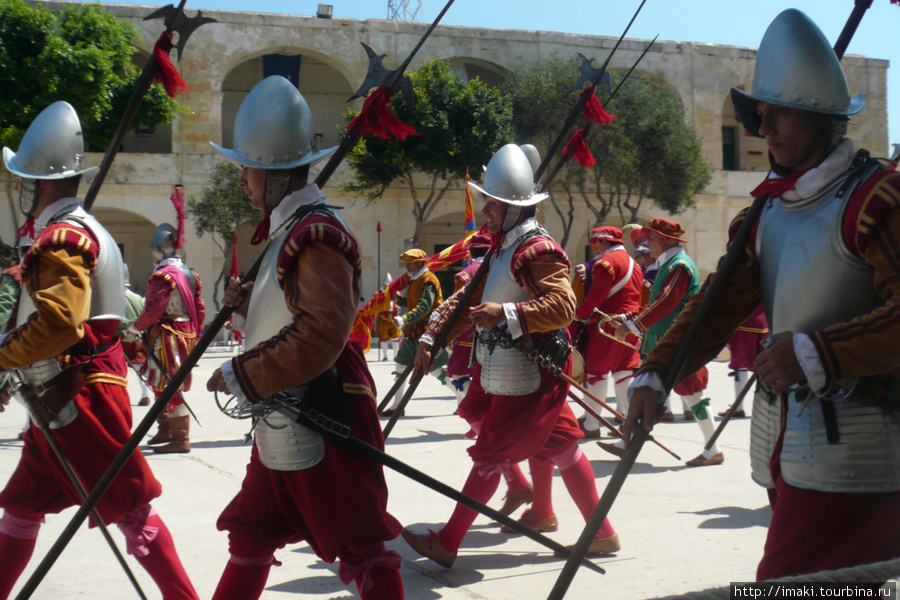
(14, 555)
(542, 478)
(579, 480)
(164, 566)
(481, 489)
(515, 479)
(242, 582)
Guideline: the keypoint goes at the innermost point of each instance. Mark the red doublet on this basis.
(603, 353)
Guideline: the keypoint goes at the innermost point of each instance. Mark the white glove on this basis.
(398, 321)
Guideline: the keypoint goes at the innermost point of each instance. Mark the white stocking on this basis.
(623, 380)
(707, 424)
(598, 388)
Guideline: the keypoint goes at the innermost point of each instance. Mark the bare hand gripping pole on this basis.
(174, 384)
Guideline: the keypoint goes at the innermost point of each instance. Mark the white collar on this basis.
(613, 249)
(171, 260)
(420, 272)
(290, 203)
(668, 255)
(815, 179)
(53, 210)
(518, 231)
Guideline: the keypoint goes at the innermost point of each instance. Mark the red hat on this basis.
(606, 232)
(665, 228)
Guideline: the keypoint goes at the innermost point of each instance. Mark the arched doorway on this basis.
(323, 87)
(132, 233)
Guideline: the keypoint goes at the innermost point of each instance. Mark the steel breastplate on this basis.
(505, 372)
(176, 305)
(283, 444)
(268, 312)
(108, 278)
(805, 267)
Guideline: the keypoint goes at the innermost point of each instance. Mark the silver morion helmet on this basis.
(165, 239)
(796, 67)
(509, 177)
(273, 128)
(52, 148)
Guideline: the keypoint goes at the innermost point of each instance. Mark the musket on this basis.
(595, 78)
(730, 412)
(564, 159)
(73, 478)
(148, 421)
(729, 263)
(175, 21)
(373, 453)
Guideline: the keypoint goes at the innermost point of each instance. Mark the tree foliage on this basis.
(219, 211)
(460, 126)
(81, 54)
(648, 151)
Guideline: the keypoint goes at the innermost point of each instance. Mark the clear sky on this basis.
(733, 22)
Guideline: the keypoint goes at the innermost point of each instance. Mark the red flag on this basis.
(378, 228)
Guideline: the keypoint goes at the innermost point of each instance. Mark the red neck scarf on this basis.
(776, 187)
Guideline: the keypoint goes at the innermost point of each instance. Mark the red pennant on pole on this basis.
(593, 110)
(376, 117)
(378, 227)
(579, 148)
(167, 74)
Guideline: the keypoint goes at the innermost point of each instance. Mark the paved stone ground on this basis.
(682, 529)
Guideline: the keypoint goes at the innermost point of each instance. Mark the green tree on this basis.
(220, 210)
(81, 54)
(648, 151)
(460, 124)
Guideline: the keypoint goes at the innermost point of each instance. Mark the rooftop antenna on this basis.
(405, 10)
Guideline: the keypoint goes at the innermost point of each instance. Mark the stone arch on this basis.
(322, 81)
(132, 232)
(740, 152)
(468, 68)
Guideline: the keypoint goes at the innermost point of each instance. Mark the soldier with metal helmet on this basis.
(172, 319)
(517, 408)
(66, 352)
(822, 260)
(297, 319)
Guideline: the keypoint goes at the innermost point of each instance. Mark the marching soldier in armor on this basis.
(613, 286)
(822, 260)
(678, 278)
(423, 295)
(173, 317)
(67, 321)
(518, 409)
(297, 321)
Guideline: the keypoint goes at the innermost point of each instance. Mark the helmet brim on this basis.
(483, 195)
(307, 159)
(13, 166)
(745, 108)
